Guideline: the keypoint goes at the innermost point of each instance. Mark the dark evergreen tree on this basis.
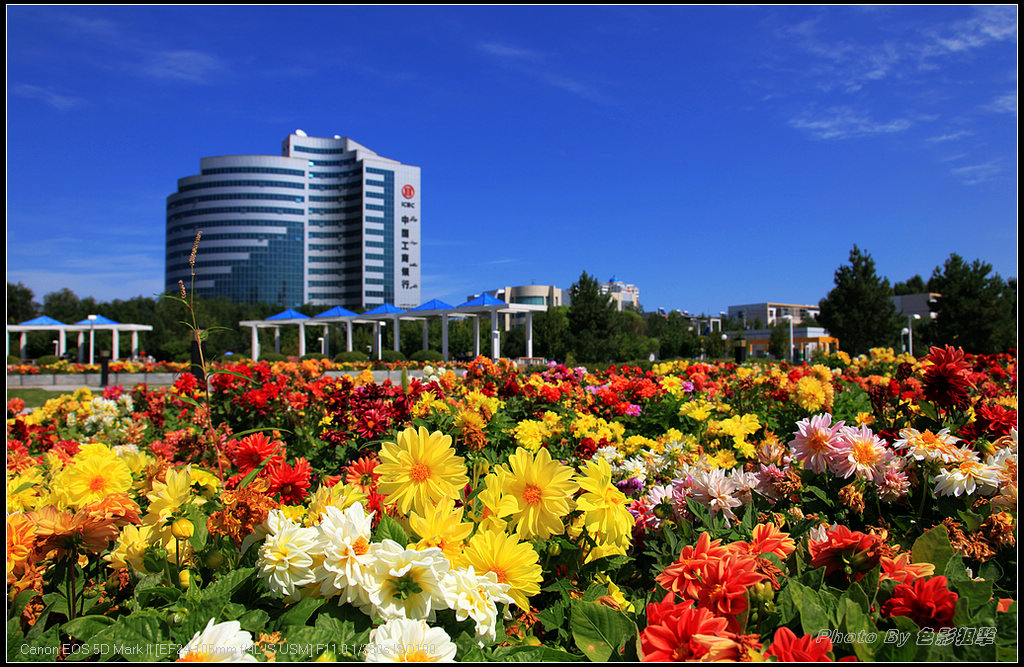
(976, 310)
(21, 305)
(915, 285)
(859, 310)
(590, 320)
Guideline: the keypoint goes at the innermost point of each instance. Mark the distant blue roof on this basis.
(99, 320)
(290, 314)
(433, 304)
(337, 311)
(42, 321)
(385, 309)
(483, 300)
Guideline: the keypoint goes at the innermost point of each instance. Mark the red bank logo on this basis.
(408, 191)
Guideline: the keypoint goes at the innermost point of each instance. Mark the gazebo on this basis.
(275, 322)
(90, 324)
(485, 303)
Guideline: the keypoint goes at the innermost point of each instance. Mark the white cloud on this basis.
(977, 173)
(53, 99)
(1004, 103)
(510, 52)
(193, 66)
(844, 123)
(528, 62)
(953, 136)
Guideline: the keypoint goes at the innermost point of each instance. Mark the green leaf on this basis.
(813, 617)
(299, 613)
(933, 547)
(599, 631)
(139, 636)
(389, 529)
(532, 654)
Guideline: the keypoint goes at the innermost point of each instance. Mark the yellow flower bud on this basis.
(184, 577)
(182, 529)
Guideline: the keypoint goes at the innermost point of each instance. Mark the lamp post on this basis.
(910, 331)
(92, 338)
(790, 355)
(322, 350)
(903, 333)
(56, 347)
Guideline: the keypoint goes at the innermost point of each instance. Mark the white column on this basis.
(426, 334)
(348, 335)
(444, 337)
(24, 342)
(396, 337)
(255, 343)
(302, 339)
(116, 345)
(377, 339)
(325, 349)
(92, 346)
(63, 341)
(135, 344)
(495, 336)
(476, 336)
(277, 340)
(529, 333)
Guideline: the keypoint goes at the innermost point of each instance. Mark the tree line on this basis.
(977, 310)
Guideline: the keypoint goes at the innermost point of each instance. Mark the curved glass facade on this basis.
(266, 239)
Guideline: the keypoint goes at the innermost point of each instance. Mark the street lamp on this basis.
(322, 350)
(910, 330)
(790, 355)
(903, 333)
(92, 337)
(56, 347)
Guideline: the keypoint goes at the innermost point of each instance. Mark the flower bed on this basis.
(858, 509)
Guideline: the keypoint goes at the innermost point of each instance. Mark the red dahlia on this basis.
(927, 602)
(787, 647)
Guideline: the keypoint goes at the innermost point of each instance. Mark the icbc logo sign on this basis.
(408, 191)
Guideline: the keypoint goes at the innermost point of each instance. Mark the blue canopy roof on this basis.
(99, 320)
(483, 300)
(290, 314)
(385, 309)
(337, 311)
(433, 304)
(43, 320)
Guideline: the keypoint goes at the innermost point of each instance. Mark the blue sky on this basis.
(709, 155)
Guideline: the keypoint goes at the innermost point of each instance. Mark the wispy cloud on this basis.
(844, 123)
(47, 96)
(510, 52)
(1004, 103)
(536, 65)
(952, 136)
(193, 66)
(977, 173)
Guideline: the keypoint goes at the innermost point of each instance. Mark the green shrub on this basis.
(313, 355)
(47, 359)
(427, 355)
(12, 360)
(233, 358)
(391, 355)
(273, 356)
(351, 356)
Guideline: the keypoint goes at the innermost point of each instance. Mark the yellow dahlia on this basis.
(441, 526)
(93, 474)
(419, 469)
(542, 489)
(604, 506)
(514, 563)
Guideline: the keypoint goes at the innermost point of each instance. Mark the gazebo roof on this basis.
(43, 321)
(337, 311)
(99, 321)
(484, 300)
(290, 314)
(384, 309)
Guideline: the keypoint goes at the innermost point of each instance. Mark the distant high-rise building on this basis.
(622, 294)
(329, 222)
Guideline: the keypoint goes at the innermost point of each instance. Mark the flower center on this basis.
(195, 657)
(360, 546)
(500, 573)
(415, 655)
(817, 442)
(532, 494)
(97, 483)
(420, 472)
(864, 453)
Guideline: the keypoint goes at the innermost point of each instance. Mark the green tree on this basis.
(21, 305)
(551, 338)
(977, 308)
(859, 311)
(590, 320)
(915, 285)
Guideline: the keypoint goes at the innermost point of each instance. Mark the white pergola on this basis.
(90, 324)
(477, 308)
